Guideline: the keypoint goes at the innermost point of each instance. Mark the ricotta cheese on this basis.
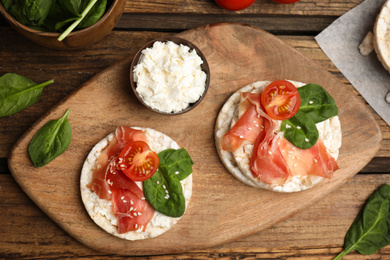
(238, 163)
(169, 77)
(101, 210)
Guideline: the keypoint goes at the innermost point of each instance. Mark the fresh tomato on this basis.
(285, 1)
(234, 5)
(281, 100)
(137, 161)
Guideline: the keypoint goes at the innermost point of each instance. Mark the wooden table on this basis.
(315, 233)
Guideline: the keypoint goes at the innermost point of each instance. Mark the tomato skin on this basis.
(137, 161)
(234, 5)
(281, 100)
(286, 1)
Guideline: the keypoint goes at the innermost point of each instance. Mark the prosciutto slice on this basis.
(248, 126)
(109, 182)
(314, 161)
(267, 162)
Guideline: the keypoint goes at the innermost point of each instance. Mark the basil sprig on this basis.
(18, 92)
(50, 141)
(370, 231)
(316, 106)
(163, 190)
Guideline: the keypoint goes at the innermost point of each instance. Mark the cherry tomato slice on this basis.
(281, 100)
(137, 161)
(234, 5)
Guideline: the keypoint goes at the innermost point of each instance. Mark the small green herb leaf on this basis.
(370, 231)
(18, 92)
(178, 162)
(50, 141)
(164, 192)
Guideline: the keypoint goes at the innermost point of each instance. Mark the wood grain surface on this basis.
(237, 55)
(314, 233)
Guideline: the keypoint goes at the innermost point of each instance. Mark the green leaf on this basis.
(37, 10)
(316, 106)
(75, 7)
(370, 231)
(94, 14)
(178, 162)
(78, 21)
(50, 141)
(317, 103)
(300, 130)
(8, 3)
(164, 192)
(29, 12)
(18, 92)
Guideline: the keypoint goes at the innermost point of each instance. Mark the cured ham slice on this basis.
(267, 162)
(314, 161)
(109, 182)
(123, 136)
(131, 211)
(248, 126)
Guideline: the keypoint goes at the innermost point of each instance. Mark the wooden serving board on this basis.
(222, 208)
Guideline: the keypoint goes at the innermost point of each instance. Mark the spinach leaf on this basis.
(370, 231)
(50, 141)
(30, 12)
(7, 3)
(78, 21)
(164, 192)
(300, 130)
(316, 106)
(56, 15)
(94, 14)
(317, 103)
(18, 92)
(75, 7)
(178, 162)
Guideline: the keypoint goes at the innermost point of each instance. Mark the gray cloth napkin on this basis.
(340, 41)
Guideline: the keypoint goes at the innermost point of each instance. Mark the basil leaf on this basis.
(317, 103)
(300, 130)
(370, 231)
(18, 92)
(50, 141)
(164, 192)
(177, 162)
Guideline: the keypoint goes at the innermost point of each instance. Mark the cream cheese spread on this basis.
(169, 77)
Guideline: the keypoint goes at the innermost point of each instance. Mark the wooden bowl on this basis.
(177, 40)
(77, 39)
